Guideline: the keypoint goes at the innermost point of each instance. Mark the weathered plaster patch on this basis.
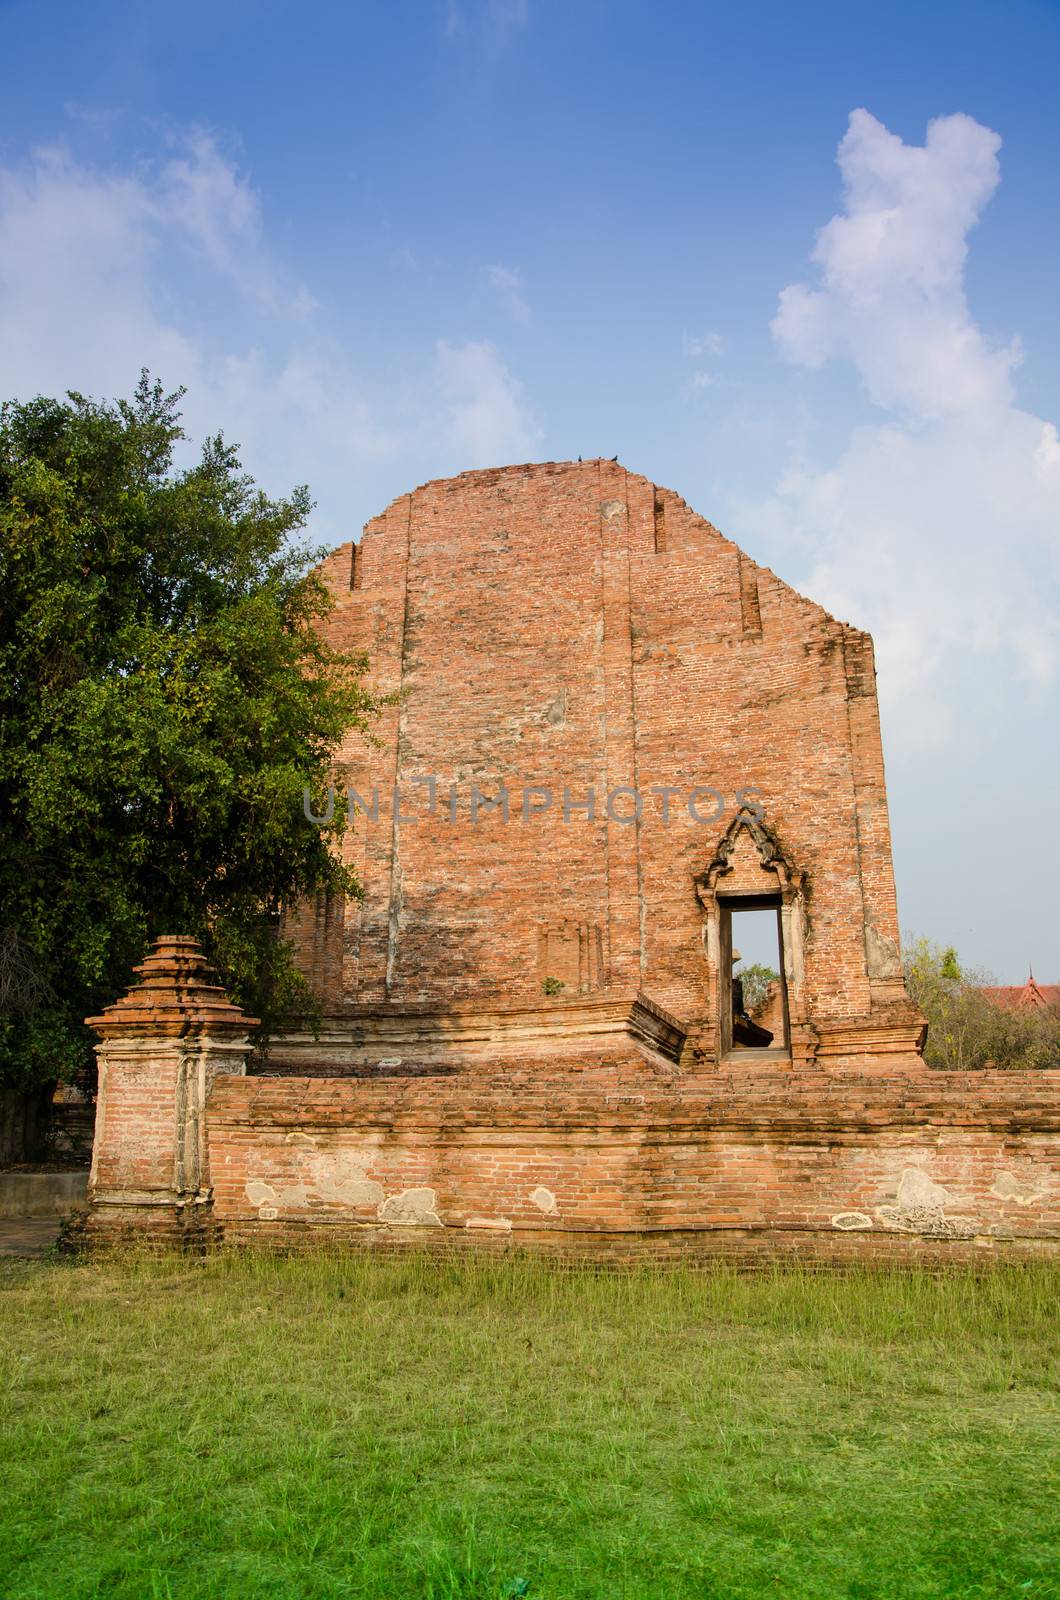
(302, 1139)
(496, 1224)
(545, 1201)
(921, 1209)
(268, 1213)
(340, 1176)
(412, 1208)
(260, 1194)
(883, 958)
(916, 1189)
(1008, 1187)
(892, 1218)
(851, 1221)
(292, 1195)
(936, 1225)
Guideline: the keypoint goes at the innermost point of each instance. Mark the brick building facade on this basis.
(569, 630)
(612, 735)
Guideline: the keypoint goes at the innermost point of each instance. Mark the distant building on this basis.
(1029, 996)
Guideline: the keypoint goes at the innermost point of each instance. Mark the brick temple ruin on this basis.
(613, 736)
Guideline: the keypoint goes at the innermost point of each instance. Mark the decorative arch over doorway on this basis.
(749, 870)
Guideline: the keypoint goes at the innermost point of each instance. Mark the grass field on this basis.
(342, 1427)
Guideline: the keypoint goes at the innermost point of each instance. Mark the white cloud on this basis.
(76, 254)
(892, 272)
(698, 347)
(485, 412)
(702, 344)
(93, 266)
(201, 197)
(508, 286)
(166, 265)
(454, 21)
(939, 529)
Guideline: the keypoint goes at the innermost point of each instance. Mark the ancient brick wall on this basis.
(629, 1162)
(572, 627)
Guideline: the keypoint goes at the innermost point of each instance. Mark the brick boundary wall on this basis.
(601, 1150)
(821, 1167)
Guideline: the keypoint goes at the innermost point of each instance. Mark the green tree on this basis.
(950, 967)
(966, 1029)
(756, 980)
(164, 701)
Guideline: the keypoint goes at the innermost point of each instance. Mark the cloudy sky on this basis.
(798, 263)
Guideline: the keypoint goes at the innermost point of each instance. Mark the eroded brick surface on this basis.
(572, 627)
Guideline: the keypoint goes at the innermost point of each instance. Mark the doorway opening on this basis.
(753, 992)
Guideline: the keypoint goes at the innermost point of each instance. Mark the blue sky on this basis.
(382, 243)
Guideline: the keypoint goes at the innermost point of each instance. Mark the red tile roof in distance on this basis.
(1027, 996)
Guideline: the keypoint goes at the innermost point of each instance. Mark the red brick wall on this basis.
(138, 1122)
(620, 1162)
(573, 625)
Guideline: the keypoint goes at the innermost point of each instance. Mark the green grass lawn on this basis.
(331, 1427)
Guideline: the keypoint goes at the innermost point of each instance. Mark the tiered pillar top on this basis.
(177, 998)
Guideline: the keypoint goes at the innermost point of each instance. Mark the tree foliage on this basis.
(756, 980)
(966, 1028)
(164, 699)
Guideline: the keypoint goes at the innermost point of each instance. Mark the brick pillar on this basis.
(163, 1043)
